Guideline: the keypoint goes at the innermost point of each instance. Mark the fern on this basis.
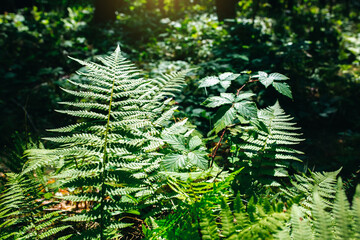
(24, 213)
(257, 221)
(107, 159)
(265, 135)
(195, 197)
(265, 150)
(304, 186)
(207, 206)
(323, 222)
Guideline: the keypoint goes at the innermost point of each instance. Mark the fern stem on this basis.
(103, 170)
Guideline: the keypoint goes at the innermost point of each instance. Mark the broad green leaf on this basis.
(265, 79)
(243, 96)
(174, 162)
(194, 142)
(278, 76)
(177, 142)
(225, 84)
(240, 56)
(198, 159)
(228, 76)
(229, 96)
(225, 120)
(246, 109)
(283, 88)
(216, 101)
(209, 81)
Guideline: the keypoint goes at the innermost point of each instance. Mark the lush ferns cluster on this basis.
(325, 219)
(108, 159)
(124, 170)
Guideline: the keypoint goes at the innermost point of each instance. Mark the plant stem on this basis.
(216, 148)
(103, 167)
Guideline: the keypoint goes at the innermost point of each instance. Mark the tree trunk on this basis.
(226, 9)
(176, 6)
(105, 11)
(161, 7)
(150, 5)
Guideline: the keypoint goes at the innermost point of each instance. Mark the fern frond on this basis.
(208, 225)
(341, 214)
(107, 160)
(324, 183)
(356, 213)
(265, 149)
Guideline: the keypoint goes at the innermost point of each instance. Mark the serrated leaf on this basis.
(243, 96)
(229, 96)
(278, 76)
(283, 88)
(194, 142)
(228, 76)
(225, 120)
(209, 81)
(246, 109)
(198, 159)
(225, 84)
(174, 162)
(265, 79)
(216, 101)
(177, 142)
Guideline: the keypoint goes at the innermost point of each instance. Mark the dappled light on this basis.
(179, 119)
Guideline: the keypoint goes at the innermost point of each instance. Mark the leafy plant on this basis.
(107, 159)
(26, 212)
(303, 188)
(341, 222)
(204, 213)
(259, 139)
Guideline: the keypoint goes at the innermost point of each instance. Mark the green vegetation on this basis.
(243, 123)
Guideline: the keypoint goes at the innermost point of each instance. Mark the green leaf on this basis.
(246, 109)
(216, 101)
(243, 96)
(48, 195)
(209, 81)
(229, 96)
(278, 76)
(264, 79)
(227, 219)
(228, 76)
(225, 84)
(174, 162)
(198, 159)
(194, 142)
(225, 120)
(177, 142)
(283, 88)
(356, 212)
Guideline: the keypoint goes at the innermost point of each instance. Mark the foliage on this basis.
(26, 212)
(150, 155)
(106, 158)
(338, 223)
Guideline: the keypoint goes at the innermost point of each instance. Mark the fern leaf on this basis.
(341, 214)
(356, 213)
(208, 226)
